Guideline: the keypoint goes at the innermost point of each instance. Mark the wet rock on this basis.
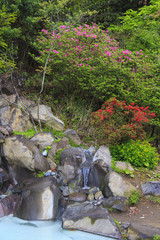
(69, 163)
(46, 116)
(98, 171)
(123, 165)
(115, 185)
(7, 204)
(89, 218)
(4, 176)
(40, 199)
(90, 197)
(71, 134)
(43, 139)
(67, 191)
(117, 203)
(99, 195)
(21, 152)
(103, 153)
(17, 174)
(151, 188)
(77, 197)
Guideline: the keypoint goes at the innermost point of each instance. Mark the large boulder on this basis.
(89, 218)
(40, 199)
(103, 154)
(17, 119)
(151, 188)
(43, 139)
(69, 163)
(7, 204)
(71, 134)
(46, 116)
(115, 185)
(24, 153)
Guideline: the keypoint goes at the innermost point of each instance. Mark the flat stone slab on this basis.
(89, 218)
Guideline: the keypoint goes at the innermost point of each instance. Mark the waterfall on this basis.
(86, 171)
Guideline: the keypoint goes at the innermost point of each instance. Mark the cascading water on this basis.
(86, 165)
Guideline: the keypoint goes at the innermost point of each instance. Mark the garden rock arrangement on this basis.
(76, 190)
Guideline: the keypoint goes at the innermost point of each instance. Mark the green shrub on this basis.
(134, 197)
(156, 237)
(28, 134)
(139, 154)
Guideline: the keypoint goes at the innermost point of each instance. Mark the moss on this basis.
(93, 220)
(28, 134)
(154, 199)
(58, 155)
(134, 197)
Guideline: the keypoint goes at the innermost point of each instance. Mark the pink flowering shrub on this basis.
(86, 60)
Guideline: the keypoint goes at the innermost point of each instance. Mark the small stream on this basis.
(12, 228)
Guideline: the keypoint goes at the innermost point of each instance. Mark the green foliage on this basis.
(126, 171)
(40, 174)
(28, 134)
(139, 154)
(58, 155)
(156, 237)
(6, 36)
(140, 29)
(154, 199)
(134, 197)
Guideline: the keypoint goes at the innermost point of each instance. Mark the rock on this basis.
(103, 153)
(89, 218)
(90, 197)
(116, 186)
(71, 134)
(117, 203)
(4, 177)
(99, 195)
(123, 165)
(40, 199)
(46, 116)
(69, 163)
(62, 144)
(92, 150)
(4, 131)
(2, 138)
(15, 118)
(77, 197)
(43, 139)
(23, 153)
(151, 188)
(7, 204)
(17, 174)
(98, 171)
(67, 191)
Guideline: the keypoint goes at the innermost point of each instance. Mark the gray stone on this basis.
(40, 199)
(7, 204)
(123, 165)
(21, 152)
(89, 218)
(90, 197)
(116, 186)
(46, 116)
(77, 197)
(67, 191)
(71, 134)
(2, 138)
(117, 203)
(43, 139)
(69, 163)
(15, 118)
(151, 188)
(103, 153)
(99, 195)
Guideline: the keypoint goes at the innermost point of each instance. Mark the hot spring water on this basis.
(12, 228)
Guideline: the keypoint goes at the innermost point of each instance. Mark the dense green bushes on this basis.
(139, 154)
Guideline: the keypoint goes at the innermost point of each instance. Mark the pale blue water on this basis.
(12, 228)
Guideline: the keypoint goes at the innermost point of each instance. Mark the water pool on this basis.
(12, 228)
